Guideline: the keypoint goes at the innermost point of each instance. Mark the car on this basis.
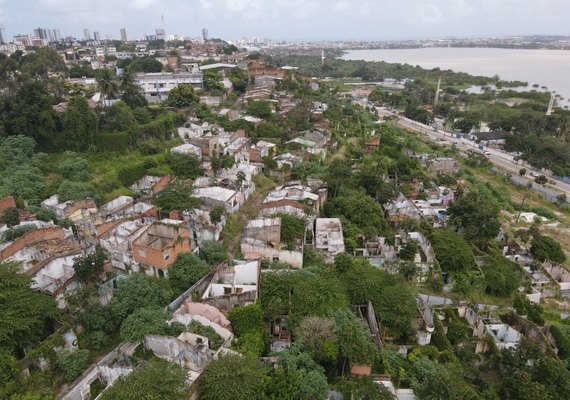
(487, 153)
(534, 174)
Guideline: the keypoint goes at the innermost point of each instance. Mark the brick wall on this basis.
(161, 184)
(283, 203)
(31, 238)
(154, 257)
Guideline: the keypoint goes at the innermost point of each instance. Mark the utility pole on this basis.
(437, 92)
(520, 211)
(550, 104)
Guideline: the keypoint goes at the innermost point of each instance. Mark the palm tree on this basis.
(107, 84)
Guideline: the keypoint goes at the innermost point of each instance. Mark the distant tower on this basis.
(322, 57)
(86, 34)
(97, 36)
(437, 92)
(550, 104)
(205, 34)
(123, 35)
(3, 35)
(57, 35)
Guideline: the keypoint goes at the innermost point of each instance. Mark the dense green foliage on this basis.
(157, 379)
(186, 271)
(452, 251)
(144, 321)
(25, 312)
(230, 377)
(73, 363)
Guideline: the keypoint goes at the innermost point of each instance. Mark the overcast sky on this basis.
(293, 19)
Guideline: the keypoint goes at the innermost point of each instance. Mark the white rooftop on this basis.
(215, 192)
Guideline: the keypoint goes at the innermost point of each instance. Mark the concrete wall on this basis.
(177, 351)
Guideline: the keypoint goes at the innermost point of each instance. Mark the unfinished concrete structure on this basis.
(159, 245)
(262, 240)
(294, 199)
(233, 286)
(328, 236)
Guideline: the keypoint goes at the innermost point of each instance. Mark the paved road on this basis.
(500, 159)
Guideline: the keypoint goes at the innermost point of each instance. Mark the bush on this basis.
(214, 339)
(75, 169)
(73, 363)
(213, 252)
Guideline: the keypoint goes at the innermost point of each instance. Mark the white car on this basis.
(534, 174)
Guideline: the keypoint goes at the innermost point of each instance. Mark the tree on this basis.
(522, 171)
(259, 108)
(89, 268)
(545, 248)
(75, 168)
(231, 377)
(73, 363)
(452, 251)
(213, 252)
(184, 165)
(144, 321)
(155, 379)
(145, 64)
(80, 124)
(11, 216)
(118, 118)
(249, 328)
(137, 291)
(317, 336)
(24, 311)
(107, 84)
(501, 276)
(431, 381)
(69, 190)
(182, 96)
(310, 377)
(409, 250)
(216, 213)
(477, 215)
(176, 196)
(353, 337)
(561, 199)
(541, 180)
(186, 271)
(396, 308)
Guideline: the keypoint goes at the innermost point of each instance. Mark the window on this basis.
(166, 256)
(142, 253)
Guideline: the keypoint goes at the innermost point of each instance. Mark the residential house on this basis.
(400, 210)
(443, 166)
(201, 226)
(187, 149)
(157, 85)
(159, 245)
(150, 185)
(294, 199)
(46, 254)
(75, 210)
(230, 199)
(260, 150)
(118, 241)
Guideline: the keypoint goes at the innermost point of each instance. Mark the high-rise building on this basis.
(123, 35)
(97, 36)
(3, 38)
(160, 34)
(205, 34)
(56, 35)
(86, 34)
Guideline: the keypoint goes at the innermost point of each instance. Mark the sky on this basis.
(292, 19)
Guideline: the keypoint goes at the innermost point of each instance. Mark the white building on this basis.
(156, 86)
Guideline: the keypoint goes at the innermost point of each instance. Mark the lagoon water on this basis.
(550, 68)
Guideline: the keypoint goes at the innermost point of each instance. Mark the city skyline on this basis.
(290, 20)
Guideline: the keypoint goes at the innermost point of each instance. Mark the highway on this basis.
(500, 159)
